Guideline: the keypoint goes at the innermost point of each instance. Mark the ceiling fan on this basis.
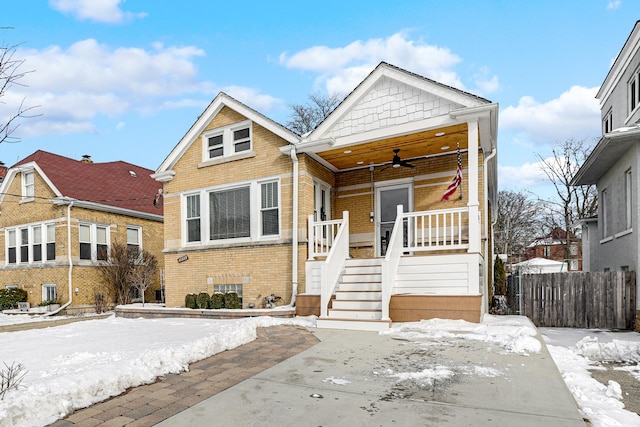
(397, 161)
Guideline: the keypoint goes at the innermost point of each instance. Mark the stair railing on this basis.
(391, 261)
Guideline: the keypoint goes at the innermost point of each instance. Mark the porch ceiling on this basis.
(413, 146)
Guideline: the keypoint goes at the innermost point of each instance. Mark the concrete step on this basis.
(355, 314)
(353, 324)
(358, 295)
(357, 304)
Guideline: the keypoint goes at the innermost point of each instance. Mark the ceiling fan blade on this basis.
(406, 164)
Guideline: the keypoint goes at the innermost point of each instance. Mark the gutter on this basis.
(70, 273)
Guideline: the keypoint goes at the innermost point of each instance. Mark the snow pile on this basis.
(613, 351)
(515, 334)
(76, 365)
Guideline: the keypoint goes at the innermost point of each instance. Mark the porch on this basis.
(429, 265)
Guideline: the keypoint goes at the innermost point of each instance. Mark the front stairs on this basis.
(358, 298)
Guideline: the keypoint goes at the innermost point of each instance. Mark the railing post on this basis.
(311, 238)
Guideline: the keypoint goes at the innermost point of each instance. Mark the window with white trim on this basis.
(628, 198)
(607, 122)
(226, 288)
(134, 239)
(321, 201)
(28, 185)
(633, 87)
(94, 242)
(193, 218)
(227, 141)
(605, 213)
(25, 244)
(243, 212)
(49, 292)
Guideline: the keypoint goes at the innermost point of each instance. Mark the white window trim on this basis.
(93, 236)
(18, 243)
(26, 197)
(255, 233)
(628, 198)
(228, 146)
(607, 122)
(138, 230)
(318, 187)
(635, 79)
(55, 291)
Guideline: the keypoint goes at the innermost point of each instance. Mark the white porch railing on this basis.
(330, 239)
(444, 229)
(395, 248)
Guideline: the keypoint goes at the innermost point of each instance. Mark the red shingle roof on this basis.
(118, 184)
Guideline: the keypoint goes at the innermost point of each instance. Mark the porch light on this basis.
(396, 165)
(360, 162)
(444, 147)
(347, 151)
(440, 134)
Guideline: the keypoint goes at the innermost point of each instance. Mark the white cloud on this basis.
(613, 4)
(253, 98)
(120, 126)
(107, 11)
(75, 84)
(522, 176)
(342, 68)
(574, 114)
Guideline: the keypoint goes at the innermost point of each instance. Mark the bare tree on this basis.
(144, 272)
(10, 75)
(116, 272)
(517, 223)
(305, 117)
(574, 202)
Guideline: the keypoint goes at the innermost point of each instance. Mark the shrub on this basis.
(217, 301)
(49, 302)
(231, 300)
(9, 297)
(202, 300)
(190, 301)
(11, 377)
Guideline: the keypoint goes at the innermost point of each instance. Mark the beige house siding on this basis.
(261, 267)
(85, 276)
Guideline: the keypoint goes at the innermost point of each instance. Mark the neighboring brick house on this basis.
(254, 208)
(58, 218)
(554, 246)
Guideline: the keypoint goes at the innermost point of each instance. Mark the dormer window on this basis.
(228, 142)
(28, 185)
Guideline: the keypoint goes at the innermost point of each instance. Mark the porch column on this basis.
(472, 185)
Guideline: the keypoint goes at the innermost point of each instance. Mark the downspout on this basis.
(70, 275)
(486, 220)
(294, 226)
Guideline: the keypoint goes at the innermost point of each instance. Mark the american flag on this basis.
(457, 180)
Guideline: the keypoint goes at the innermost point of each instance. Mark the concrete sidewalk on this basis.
(347, 379)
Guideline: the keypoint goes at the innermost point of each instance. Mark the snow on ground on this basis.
(75, 365)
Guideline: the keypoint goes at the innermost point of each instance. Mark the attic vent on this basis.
(132, 173)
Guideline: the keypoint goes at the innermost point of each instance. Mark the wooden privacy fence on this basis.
(602, 300)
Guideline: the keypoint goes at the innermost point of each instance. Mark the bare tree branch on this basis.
(306, 117)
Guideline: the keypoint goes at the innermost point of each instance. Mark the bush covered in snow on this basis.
(10, 297)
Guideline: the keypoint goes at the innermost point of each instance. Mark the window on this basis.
(28, 187)
(193, 218)
(223, 289)
(607, 122)
(247, 212)
(11, 245)
(230, 214)
(25, 244)
(634, 91)
(51, 242)
(241, 140)
(605, 213)
(94, 242)
(134, 239)
(49, 292)
(227, 141)
(628, 198)
(216, 148)
(547, 251)
(269, 211)
(321, 208)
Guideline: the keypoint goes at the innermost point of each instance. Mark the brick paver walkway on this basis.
(150, 404)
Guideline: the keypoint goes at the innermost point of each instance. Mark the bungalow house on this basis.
(349, 222)
(58, 218)
(610, 239)
(558, 245)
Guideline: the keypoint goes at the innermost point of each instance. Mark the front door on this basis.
(389, 197)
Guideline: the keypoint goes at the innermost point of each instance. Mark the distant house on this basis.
(610, 239)
(558, 245)
(59, 217)
(348, 222)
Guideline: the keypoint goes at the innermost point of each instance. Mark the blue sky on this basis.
(124, 80)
